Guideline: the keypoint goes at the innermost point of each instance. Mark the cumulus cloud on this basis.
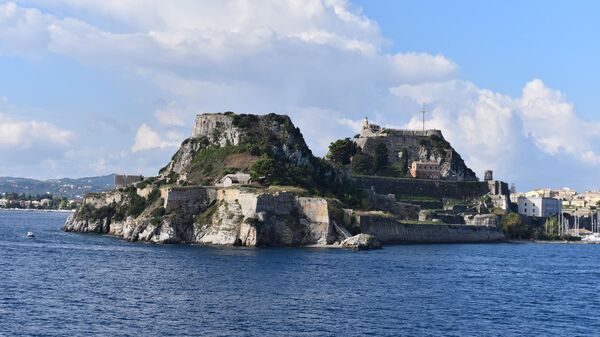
(23, 133)
(23, 30)
(550, 120)
(321, 61)
(253, 56)
(147, 139)
(171, 115)
(491, 129)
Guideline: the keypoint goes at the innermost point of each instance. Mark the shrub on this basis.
(514, 228)
(264, 167)
(158, 212)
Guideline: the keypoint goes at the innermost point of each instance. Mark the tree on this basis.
(551, 226)
(362, 163)
(341, 151)
(263, 167)
(513, 188)
(404, 162)
(513, 226)
(380, 158)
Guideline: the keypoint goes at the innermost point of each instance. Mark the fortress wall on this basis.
(98, 200)
(311, 214)
(190, 199)
(415, 133)
(315, 209)
(211, 125)
(388, 230)
(423, 188)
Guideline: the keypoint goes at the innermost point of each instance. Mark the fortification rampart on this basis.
(424, 188)
(98, 200)
(388, 230)
(193, 200)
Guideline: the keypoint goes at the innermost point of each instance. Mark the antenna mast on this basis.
(423, 112)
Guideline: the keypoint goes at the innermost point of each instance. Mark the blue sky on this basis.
(102, 86)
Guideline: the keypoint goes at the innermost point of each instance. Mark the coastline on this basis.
(562, 242)
(37, 210)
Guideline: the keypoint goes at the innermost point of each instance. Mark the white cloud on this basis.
(147, 139)
(490, 129)
(171, 115)
(551, 121)
(479, 123)
(23, 30)
(321, 61)
(22, 133)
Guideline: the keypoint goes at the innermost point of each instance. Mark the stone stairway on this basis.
(341, 231)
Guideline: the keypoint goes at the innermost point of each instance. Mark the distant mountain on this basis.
(67, 187)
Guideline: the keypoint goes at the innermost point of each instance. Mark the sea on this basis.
(70, 284)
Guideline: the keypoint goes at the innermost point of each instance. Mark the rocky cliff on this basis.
(232, 217)
(268, 145)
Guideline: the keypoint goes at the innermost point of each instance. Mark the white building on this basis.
(234, 179)
(539, 206)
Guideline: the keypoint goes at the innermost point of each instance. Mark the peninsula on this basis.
(251, 180)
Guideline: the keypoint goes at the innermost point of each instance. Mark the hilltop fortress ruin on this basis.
(251, 180)
(408, 146)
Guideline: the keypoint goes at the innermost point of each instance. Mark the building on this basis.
(539, 206)
(122, 181)
(425, 170)
(234, 179)
(488, 175)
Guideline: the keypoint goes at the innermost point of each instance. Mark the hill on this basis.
(65, 187)
(268, 147)
(251, 180)
(378, 151)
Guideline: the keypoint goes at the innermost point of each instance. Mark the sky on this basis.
(91, 87)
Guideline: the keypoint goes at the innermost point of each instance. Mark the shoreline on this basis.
(561, 242)
(38, 210)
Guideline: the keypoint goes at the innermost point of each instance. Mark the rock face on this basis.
(226, 142)
(279, 219)
(233, 217)
(361, 242)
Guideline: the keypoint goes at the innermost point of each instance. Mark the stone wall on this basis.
(122, 181)
(424, 188)
(315, 209)
(388, 230)
(388, 203)
(217, 128)
(192, 200)
(98, 200)
(249, 218)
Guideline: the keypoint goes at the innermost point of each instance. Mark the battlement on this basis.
(374, 130)
(414, 133)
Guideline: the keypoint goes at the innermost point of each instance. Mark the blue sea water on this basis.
(68, 284)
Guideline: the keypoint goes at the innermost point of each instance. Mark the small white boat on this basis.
(30, 235)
